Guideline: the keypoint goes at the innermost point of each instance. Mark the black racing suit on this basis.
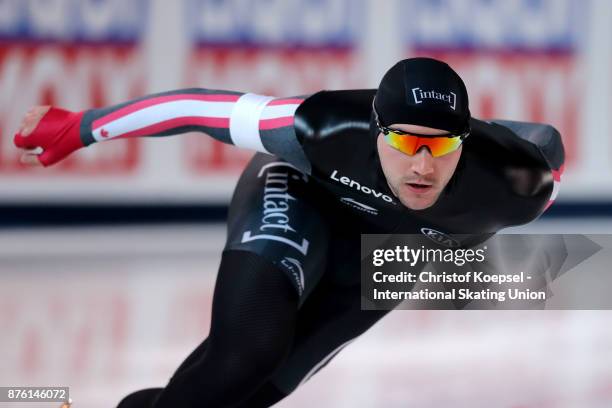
(287, 297)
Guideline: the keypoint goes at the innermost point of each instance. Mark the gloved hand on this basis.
(48, 135)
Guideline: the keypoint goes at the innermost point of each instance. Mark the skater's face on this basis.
(417, 180)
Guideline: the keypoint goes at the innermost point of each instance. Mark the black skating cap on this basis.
(425, 92)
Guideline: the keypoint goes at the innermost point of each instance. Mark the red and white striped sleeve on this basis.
(256, 122)
(557, 173)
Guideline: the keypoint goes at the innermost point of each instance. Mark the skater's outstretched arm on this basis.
(257, 122)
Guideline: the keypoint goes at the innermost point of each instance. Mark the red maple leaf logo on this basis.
(104, 132)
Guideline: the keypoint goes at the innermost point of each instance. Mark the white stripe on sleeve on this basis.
(556, 188)
(244, 121)
(152, 115)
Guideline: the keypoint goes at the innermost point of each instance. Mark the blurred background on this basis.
(108, 259)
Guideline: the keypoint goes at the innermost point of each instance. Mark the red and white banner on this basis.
(520, 71)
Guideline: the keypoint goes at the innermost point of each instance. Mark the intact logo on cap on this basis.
(420, 94)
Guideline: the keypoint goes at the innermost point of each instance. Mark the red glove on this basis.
(57, 133)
